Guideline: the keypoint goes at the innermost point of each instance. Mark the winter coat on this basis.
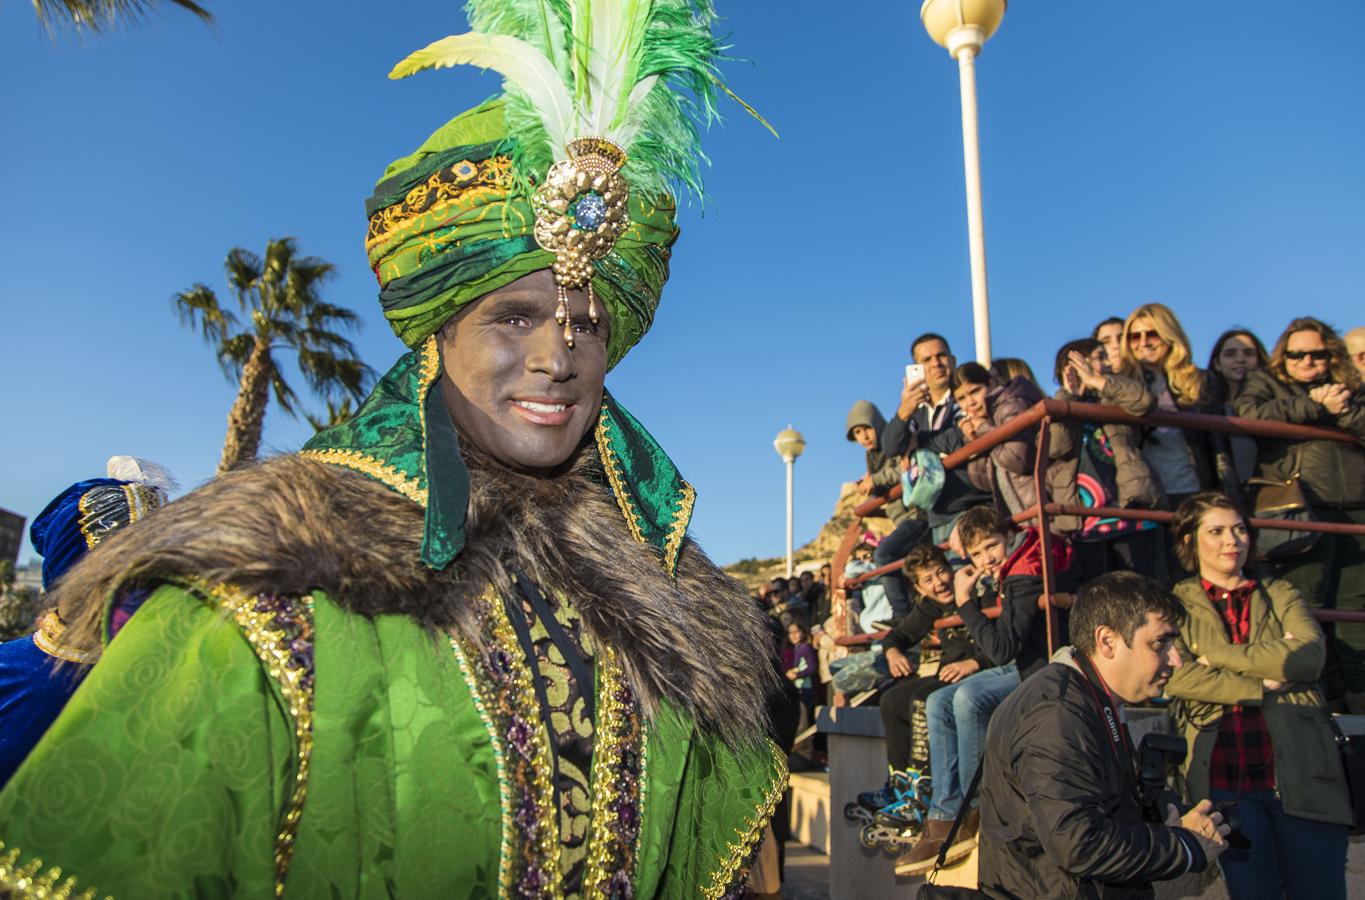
(923, 422)
(1019, 635)
(1209, 451)
(1007, 471)
(1308, 773)
(1331, 474)
(959, 494)
(884, 469)
(956, 641)
(876, 606)
(1137, 486)
(1060, 814)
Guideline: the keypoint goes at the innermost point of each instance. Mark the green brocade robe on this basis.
(229, 745)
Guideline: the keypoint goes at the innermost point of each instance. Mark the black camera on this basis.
(1155, 754)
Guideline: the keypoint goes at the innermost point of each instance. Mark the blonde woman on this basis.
(1186, 462)
(1310, 380)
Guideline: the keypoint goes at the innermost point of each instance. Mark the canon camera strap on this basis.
(1119, 740)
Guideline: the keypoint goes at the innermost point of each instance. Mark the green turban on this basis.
(449, 224)
(453, 222)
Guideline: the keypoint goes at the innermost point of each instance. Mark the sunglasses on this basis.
(1137, 337)
(1314, 355)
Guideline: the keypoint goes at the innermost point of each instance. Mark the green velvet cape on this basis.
(229, 745)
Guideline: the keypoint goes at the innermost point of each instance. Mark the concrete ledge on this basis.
(810, 809)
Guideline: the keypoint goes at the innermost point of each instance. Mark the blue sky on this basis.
(1200, 154)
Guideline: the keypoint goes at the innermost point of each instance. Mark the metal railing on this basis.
(1041, 416)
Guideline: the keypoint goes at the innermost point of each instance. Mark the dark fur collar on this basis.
(292, 525)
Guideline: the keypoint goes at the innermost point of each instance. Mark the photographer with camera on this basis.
(1254, 719)
(1061, 807)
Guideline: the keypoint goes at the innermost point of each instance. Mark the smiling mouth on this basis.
(543, 412)
(533, 406)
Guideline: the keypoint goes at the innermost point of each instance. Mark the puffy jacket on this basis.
(1331, 474)
(885, 470)
(1308, 772)
(1007, 471)
(1060, 816)
(1137, 486)
(1210, 452)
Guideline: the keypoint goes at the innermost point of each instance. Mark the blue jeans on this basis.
(958, 715)
(893, 547)
(1289, 857)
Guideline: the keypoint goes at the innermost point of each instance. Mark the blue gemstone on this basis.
(589, 211)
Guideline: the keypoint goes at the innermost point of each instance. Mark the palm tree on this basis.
(102, 15)
(278, 295)
(337, 413)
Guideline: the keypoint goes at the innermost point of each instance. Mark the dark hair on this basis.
(1083, 346)
(923, 556)
(1008, 368)
(800, 623)
(1262, 358)
(861, 545)
(981, 522)
(970, 373)
(1112, 320)
(1120, 600)
(1185, 525)
(925, 338)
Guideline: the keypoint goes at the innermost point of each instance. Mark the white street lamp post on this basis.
(963, 27)
(789, 445)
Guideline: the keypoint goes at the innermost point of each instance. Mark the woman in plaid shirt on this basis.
(1250, 709)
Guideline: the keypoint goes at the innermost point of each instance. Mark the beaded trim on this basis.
(368, 465)
(618, 483)
(30, 882)
(504, 696)
(733, 866)
(679, 529)
(618, 779)
(280, 630)
(528, 863)
(431, 368)
(48, 638)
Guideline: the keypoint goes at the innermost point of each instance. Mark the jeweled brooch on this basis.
(580, 212)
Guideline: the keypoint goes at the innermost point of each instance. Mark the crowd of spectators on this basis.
(1250, 655)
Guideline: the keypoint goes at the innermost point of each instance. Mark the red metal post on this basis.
(1040, 461)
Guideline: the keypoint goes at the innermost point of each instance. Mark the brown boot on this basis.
(964, 842)
(920, 858)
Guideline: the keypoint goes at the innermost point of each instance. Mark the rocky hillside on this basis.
(754, 572)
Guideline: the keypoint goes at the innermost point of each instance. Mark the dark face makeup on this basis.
(513, 387)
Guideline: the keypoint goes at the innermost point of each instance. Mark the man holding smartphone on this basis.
(926, 405)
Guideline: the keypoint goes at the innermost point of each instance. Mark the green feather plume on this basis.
(642, 73)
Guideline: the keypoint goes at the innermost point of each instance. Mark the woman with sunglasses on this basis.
(1251, 713)
(1186, 461)
(1310, 381)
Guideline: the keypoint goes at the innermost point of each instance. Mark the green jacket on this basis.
(1308, 772)
(235, 745)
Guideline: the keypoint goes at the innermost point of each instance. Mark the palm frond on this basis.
(99, 16)
(199, 309)
(233, 353)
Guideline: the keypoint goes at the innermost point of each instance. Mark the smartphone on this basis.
(914, 372)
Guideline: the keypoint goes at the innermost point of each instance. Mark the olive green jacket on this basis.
(1308, 772)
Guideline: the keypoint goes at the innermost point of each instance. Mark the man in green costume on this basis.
(459, 646)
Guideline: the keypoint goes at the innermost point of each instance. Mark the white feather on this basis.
(141, 471)
(516, 61)
(627, 130)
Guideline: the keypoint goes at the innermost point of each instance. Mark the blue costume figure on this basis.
(34, 681)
